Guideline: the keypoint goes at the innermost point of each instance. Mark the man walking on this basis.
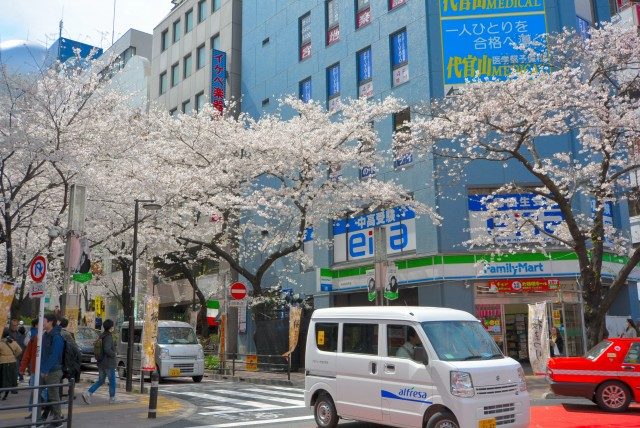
(29, 360)
(51, 365)
(106, 365)
(73, 372)
(14, 333)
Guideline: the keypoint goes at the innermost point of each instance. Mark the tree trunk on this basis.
(201, 298)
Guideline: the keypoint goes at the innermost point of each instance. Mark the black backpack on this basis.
(71, 358)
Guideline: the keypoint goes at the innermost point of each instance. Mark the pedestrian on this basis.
(51, 364)
(556, 343)
(9, 352)
(29, 361)
(630, 330)
(69, 338)
(17, 337)
(106, 365)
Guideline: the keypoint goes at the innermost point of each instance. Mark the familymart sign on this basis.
(470, 266)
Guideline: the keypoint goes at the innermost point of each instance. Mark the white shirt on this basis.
(405, 351)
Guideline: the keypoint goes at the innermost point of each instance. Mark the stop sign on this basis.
(238, 290)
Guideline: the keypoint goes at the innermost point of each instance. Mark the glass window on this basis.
(395, 3)
(597, 350)
(164, 40)
(633, 356)
(364, 65)
(402, 341)
(88, 334)
(201, 54)
(215, 5)
(179, 335)
(360, 338)
(175, 74)
(363, 13)
(202, 10)
(215, 42)
(361, 4)
(305, 36)
(136, 335)
(401, 154)
(333, 27)
(399, 54)
(333, 81)
(186, 109)
(305, 90)
(327, 337)
(173, 111)
(176, 31)
(188, 21)
(163, 83)
(461, 340)
(199, 101)
(186, 66)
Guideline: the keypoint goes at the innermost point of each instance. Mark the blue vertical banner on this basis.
(364, 65)
(480, 38)
(333, 80)
(399, 53)
(218, 79)
(305, 90)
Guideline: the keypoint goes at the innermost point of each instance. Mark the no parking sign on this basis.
(38, 271)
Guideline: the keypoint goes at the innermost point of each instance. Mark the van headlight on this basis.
(522, 383)
(461, 384)
(164, 354)
(200, 355)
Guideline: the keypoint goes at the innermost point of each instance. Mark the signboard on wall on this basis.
(524, 285)
(218, 79)
(480, 37)
(353, 239)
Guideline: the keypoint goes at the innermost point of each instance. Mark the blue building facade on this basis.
(418, 50)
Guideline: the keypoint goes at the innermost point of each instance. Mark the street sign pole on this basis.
(35, 411)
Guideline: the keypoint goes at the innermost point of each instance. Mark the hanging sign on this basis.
(524, 285)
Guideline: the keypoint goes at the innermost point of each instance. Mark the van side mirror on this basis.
(420, 355)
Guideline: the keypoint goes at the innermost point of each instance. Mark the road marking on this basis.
(235, 410)
(284, 388)
(260, 422)
(224, 400)
(283, 393)
(246, 395)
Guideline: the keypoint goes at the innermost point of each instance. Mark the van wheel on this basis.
(325, 412)
(197, 379)
(443, 420)
(613, 396)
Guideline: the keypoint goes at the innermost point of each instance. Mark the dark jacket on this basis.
(52, 348)
(108, 360)
(18, 337)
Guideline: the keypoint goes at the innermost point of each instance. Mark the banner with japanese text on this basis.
(295, 315)
(218, 79)
(538, 337)
(6, 298)
(524, 285)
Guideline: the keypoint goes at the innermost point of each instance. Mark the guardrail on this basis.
(234, 362)
(39, 404)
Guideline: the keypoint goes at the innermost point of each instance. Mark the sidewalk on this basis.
(130, 411)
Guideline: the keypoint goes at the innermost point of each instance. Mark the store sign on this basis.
(218, 79)
(491, 318)
(512, 208)
(528, 285)
(353, 239)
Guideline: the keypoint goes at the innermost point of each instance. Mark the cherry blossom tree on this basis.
(590, 95)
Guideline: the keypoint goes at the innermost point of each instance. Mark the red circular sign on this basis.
(238, 290)
(38, 268)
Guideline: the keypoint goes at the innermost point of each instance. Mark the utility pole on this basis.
(380, 262)
(75, 226)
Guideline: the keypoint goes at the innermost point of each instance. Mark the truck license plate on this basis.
(487, 423)
(176, 372)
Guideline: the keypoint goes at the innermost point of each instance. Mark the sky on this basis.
(87, 21)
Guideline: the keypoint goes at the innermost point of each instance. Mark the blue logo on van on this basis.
(407, 394)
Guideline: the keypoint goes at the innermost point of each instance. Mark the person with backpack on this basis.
(72, 359)
(104, 349)
(29, 362)
(51, 364)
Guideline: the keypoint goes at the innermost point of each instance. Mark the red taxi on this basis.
(608, 375)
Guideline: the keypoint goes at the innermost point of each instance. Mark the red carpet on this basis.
(582, 416)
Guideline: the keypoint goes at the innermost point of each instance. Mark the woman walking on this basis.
(630, 330)
(9, 352)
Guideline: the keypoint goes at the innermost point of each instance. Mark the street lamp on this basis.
(148, 204)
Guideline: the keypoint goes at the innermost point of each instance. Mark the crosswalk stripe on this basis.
(260, 422)
(284, 388)
(227, 412)
(246, 395)
(283, 393)
(225, 400)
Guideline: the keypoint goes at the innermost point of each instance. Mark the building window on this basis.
(202, 10)
(215, 42)
(399, 57)
(186, 107)
(265, 102)
(201, 54)
(176, 31)
(175, 74)
(395, 3)
(186, 66)
(188, 21)
(305, 90)
(163, 83)
(164, 40)
(333, 22)
(363, 13)
(305, 36)
(173, 111)
(365, 81)
(401, 155)
(215, 5)
(333, 87)
(199, 101)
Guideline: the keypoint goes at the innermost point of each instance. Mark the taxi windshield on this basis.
(461, 341)
(597, 350)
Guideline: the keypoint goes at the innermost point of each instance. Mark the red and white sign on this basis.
(524, 285)
(38, 268)
(238, 290)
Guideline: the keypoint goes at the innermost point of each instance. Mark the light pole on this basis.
(148, 204)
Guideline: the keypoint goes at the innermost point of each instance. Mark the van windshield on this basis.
(461, 341)
(176, 335)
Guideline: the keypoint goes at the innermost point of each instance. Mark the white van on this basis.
(410, 367)
(178, 352)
